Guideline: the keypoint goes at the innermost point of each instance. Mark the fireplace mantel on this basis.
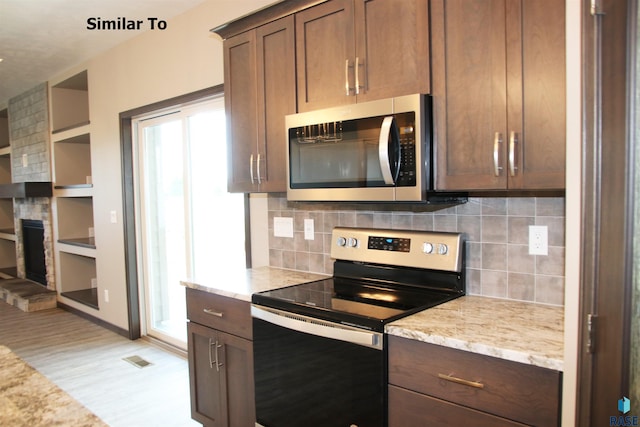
(21, 190)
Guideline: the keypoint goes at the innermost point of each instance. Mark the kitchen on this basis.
(204, 70)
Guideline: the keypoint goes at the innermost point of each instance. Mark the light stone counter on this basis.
(241, 283)
(517, 331)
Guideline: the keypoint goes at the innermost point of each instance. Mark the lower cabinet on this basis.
(220, 369)
(435, 385)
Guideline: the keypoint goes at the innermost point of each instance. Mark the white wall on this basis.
(154, 66)
(573, 212)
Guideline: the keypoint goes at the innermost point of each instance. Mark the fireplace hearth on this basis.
(34, 253)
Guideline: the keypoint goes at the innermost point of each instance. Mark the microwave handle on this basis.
(387, 131)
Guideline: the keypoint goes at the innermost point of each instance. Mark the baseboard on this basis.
(94, 319)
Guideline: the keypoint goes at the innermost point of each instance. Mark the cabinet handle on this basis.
(251, 167)
(218, 364)
(258, 169)
(213, 312)
(513, 140)
(346, 78)
(496, 153)
(211, 344)
(457, 380)
(356, 71)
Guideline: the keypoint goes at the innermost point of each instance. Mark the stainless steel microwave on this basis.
(374, 151)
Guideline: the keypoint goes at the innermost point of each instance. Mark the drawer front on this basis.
(408, 408)
(525, 393)
(219, 312)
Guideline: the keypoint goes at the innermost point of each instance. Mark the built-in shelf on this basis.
(4, 129)
(75, 217)
(83, 242)
(72, 161)
(87, 297)
(7, 254)
(78, 278)
(70, 127)
(72, 186)
(70, 103)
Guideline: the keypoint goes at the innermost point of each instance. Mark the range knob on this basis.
(442, 249)
(427, 247)
(341, 241)
(352, 242)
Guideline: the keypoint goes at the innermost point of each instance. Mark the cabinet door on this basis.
(204, 378)
(236, 357)
(240, 109)
(392, 48)
(536, 93)
(325, 55)
(276, 98)
(469, 93)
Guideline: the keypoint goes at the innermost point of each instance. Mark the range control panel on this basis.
(420, 249)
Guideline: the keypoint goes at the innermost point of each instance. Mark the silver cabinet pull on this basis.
(258, 169)
(211, 344)
(218, 364)
(513, 140)
(496, 153)
(346, 78)
(356, 71)
(457, 380)
(251, 168)
(212, 312)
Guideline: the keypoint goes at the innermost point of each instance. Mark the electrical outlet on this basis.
(25, 160)
(538, 240)
(106, 295)
(113, 216)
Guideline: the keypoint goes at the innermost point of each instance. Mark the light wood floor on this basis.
(86, 361)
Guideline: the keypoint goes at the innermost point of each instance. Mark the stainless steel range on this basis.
(319, 348)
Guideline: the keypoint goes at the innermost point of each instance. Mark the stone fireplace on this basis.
(31, 163)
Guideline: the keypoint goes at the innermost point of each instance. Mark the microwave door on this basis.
(389, 150)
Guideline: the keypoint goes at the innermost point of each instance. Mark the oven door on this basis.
(315, 374)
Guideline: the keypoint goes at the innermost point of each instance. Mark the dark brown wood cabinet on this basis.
(220, 360)
(435, 385)
(351, 51)
(498, 70)
(260, 89)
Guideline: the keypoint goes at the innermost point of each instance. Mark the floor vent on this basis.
(137, 361)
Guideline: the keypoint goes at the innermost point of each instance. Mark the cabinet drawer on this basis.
(525, 393)
(408, 408)
(219, 312)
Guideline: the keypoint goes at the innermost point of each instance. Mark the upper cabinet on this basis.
(498, 70)
(351, 51)
(260, 89)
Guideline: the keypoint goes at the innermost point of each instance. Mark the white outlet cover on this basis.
(538, 240)
(283, 227)
(308, 229)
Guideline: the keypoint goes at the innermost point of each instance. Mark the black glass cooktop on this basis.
(358, 303)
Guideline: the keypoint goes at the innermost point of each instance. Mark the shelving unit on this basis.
(7, 226)
(73, 160)
(70, 103)
(78, 275)
(75, 250)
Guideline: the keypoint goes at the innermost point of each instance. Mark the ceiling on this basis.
(40, 38)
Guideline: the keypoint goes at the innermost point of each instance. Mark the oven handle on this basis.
(321, 328)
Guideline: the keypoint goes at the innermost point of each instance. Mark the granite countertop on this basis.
(241, 283)
(512, 330)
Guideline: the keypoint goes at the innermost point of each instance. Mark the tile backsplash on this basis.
(497, 233)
